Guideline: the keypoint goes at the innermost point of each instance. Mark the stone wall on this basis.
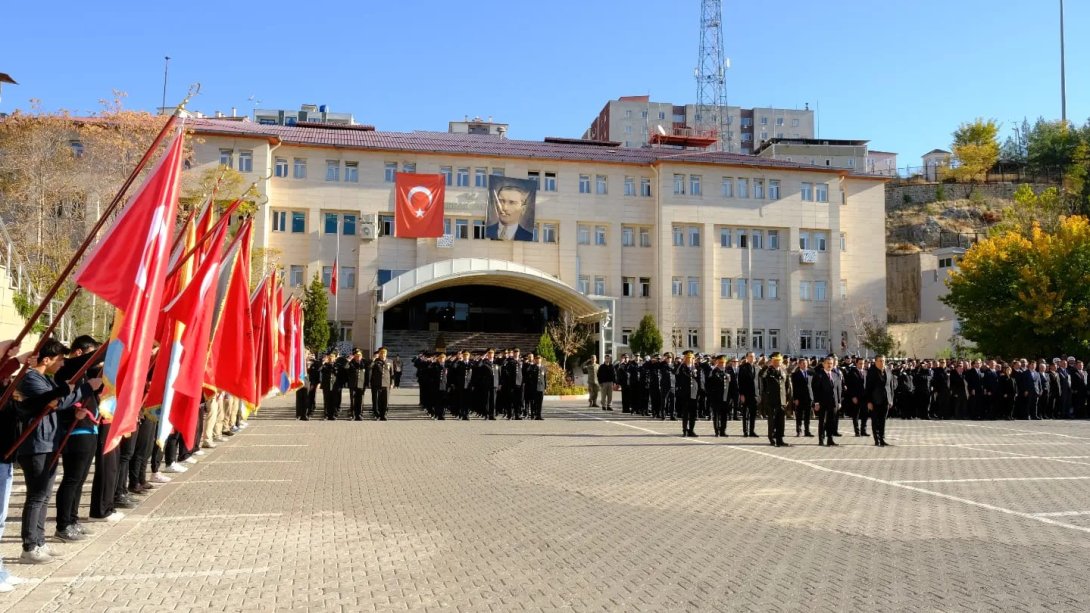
(929, 192)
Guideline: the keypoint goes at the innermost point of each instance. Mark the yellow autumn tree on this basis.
(976, 149)
(1026, 293)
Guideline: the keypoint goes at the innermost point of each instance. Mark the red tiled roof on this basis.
(484, 145)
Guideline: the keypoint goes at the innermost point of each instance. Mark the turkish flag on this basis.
(333, 279)
(418, 208)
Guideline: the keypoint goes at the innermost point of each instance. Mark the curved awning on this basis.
(486, 271)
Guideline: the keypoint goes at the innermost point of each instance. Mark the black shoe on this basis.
(124, 503)
(692, 434)
(831, 444)
(821, 443)
(69, 534)
(773, 443)
(885, 444)
(783, 444)
(78, 527)
(877, 444)
(808, 435)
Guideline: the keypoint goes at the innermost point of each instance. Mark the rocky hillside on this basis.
(940, 223)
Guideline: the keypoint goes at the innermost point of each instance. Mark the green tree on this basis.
(976, 149)
(1045, 209)
(1026, 293)
(646, 339)
(877, 338)
(316, 316)
(545, 348)
(1051, 146)
(568, 335)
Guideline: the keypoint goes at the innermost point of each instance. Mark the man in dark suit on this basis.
(879, 396)
(1078, 378)
(511, 384)
(718, 384)
(690, 383)
(382, 378)
(487, 380)
(989, 385)
(535, 385)
(974, 378)
(959, 390)
(940, 386)
(921, 384)
(357, 383)
(803, 400)
(825, 387)
(776, 393)
(511, 203)
(748, 394)
(856, 382)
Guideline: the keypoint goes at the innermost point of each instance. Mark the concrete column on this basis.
(378, 329)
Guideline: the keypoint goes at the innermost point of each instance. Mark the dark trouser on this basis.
(878, 423)
(1031, 406)
(329, 403)
(656, 403)
(720, 416)
(77, 456)
(39, 477)
(535, 399)
(922, 402)
(827, 423)
(125, 447)
(397, 378)
(1007, 410)
(302, 402)
(145, 440)
(940, 404)
(802, 417)
(172, 449)
(957, 406)
(356, 398)
(380, 399)
(512, 402)
(312, 400)
(749, 416)
(488, 403)
(777, 423)
(104, 483)
(627, 393)
(669, 402)
(859, 418)
(439, 401)
(688, 408)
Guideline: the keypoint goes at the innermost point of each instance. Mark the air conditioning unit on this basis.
(369, 227)
(808, 256)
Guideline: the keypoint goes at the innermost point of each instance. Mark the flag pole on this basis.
(336, 292)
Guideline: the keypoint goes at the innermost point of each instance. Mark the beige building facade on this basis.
(728, 252)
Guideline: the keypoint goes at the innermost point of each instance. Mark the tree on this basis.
(568, 335)
(545, 348)
(646, 339)
(1045, 210)
(976, 149)
(877, 338)
(1026, 293)
(316, 316)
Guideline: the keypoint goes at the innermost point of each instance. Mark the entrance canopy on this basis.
(486, 271)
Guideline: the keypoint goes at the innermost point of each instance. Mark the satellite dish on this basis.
(661, 130)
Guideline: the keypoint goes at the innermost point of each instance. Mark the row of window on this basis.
(743, 339)
(346, 276)
(746, 121)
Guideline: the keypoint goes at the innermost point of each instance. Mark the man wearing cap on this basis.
(357, 383)
(826, 388)
(511, 383)
(690, 382)
(382, 377)
(667, 387)
(535, 384)
(718, 392)
(607, 375)
(487, 382)
(802, 401)
(748, 394)
(879, 397)
(775, 395)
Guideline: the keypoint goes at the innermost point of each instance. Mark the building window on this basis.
(820, 242)
(773, 189)
(843, 289)
(549, 233)
(806, 340)
(662, 115)
(740, 339)
(327, 276)
(694, 236)
(629, 186)
(794, 123)
(694, 286)
(724, 288)
(408, 167)
(347, 277)
(740, 289)
(821, 340)
(694, 185)
(804, 290)
(724, 237)
(628, 287)
(498, 172)
(843, 241)
(679, 236)
(281, 168)
(245, 160)
(645, 287)
(478, 229)
(584, 284)
(645, 187)
(534, 176)
(675, 286)
(694, 338)
(385, 225)
(332, 170)
(679, 185)
(448, 174)
(626, 333)
(743, 188)
(758, 339)
(675, 337)
(226, 157)
(758, 289)
(742, 238)
(389, 172)
(807, 192)
(298, 222)
(645, 237)
(330, 223)
(550, 181)
(756, 238)
(725, 338)
(463, 177)
(599, 286)
(480, 177)
(600, 235)
(773, 239)
(584, 184)
(348, 225)
(300, 170)
(296, 276)
(461, 228)
(822, 192)
(628, 238)
(600, 185)
(764, 121)
(352, 172)
(728, 187)
(804, 240)
(759, 189)
(773, 289)
(345, 332)
(279, 221)
(773, 339)
(582, 234)
(819, 291)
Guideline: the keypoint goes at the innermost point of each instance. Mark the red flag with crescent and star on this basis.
(418, 212)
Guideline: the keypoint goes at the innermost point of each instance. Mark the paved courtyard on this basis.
(592, 511)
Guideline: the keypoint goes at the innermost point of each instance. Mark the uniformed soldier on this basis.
(487, 382)
(718, 385)
(357, 383)
(329, 386)
(511, 384)
(748, 394)
(775, 395)
(690, 381)
(535, 385)
(382, 377)
(667, 387)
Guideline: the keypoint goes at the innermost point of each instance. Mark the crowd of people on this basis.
(55, 413)
(722, 389)
(486, 383)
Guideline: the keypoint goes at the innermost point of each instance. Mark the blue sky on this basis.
(900, 74)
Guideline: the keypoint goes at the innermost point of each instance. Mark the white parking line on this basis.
(911, 488)
(999, 479)
(973, 459)
(233, 481)
(215, 516)
(1063, 514)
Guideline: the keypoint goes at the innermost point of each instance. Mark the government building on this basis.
(728, 252)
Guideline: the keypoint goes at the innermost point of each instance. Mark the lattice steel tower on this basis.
(711, 85)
